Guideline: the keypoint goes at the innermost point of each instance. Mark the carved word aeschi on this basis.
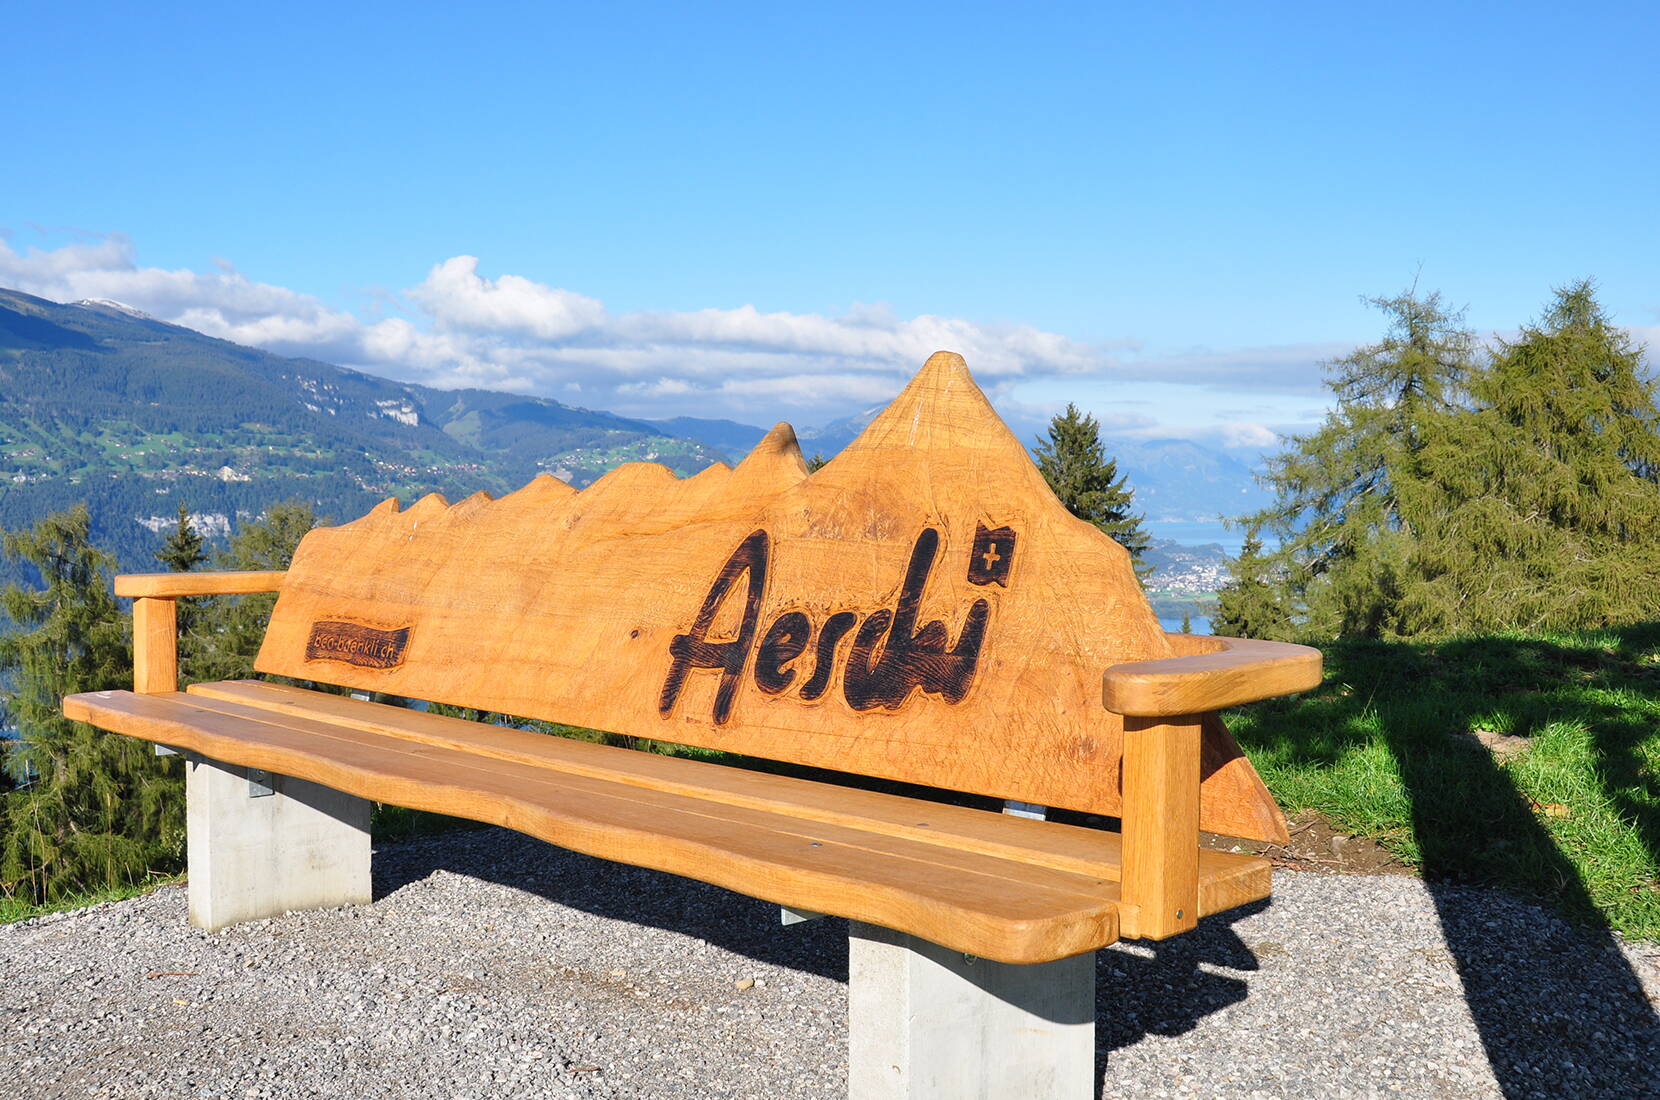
(890, 656)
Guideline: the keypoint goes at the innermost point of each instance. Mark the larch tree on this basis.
(1547, 495)
(1074, 462)
(1345, 538)
(92, 810)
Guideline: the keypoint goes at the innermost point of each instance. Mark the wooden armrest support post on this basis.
(156, 617)
(1164, 703)
(1161, 823)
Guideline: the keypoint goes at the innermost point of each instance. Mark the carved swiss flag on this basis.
(992, 555)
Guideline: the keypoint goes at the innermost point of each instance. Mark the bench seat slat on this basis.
(1082, 851)
(1008, 911)
(1226, 879)
(635, 803)
(1048, 892)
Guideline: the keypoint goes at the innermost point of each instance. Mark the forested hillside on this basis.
(103, 404)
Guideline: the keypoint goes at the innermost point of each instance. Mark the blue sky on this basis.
(1169, 214)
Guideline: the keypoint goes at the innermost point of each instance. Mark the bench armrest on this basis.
(1211, 673)
(156, 616)
(1164, 703)
(173, 585)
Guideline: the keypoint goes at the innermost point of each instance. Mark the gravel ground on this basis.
(496, 966)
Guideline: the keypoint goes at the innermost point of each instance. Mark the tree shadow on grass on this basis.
(1548, 1029)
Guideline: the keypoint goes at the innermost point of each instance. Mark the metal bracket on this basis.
(165, 750)
(788, 916)
(1025, 809)
(261, 783)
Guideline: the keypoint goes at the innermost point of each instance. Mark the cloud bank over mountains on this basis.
(460, 328)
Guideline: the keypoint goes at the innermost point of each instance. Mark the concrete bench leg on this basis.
(254, 855)
(925, 1022)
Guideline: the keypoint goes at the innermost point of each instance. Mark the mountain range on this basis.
(101, 403)
(1175, 480)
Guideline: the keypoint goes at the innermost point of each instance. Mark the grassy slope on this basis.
(1576, 819)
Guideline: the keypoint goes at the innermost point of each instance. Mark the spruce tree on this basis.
(1253, 604)
(182, 551)
(93, 810)
(1074, 462)
(1345, 540)
(1547, 496)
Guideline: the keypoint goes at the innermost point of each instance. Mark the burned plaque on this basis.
(356, 644)
(993, 554)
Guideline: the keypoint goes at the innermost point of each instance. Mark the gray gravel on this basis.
(496, 966)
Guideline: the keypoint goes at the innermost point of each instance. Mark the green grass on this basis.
(1576, 820)
(13, 910)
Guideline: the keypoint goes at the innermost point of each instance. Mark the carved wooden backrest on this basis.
(921, 609)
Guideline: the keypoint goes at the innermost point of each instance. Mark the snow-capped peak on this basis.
(110, 303)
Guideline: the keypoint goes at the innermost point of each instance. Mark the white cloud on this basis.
(1244, 434)
(460, 328)
(1283, 368)
(457, 298)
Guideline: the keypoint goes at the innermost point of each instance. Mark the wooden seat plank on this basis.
(1226, 879)
(1000, 909)
(491, 777)
(1082, 851)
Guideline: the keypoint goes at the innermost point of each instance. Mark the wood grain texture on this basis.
(1210, 673)
(1161, 823)
(1006, 888)
(1226, 879)
(997, 908)
(197, 584)
(921, 609)
(155, 645)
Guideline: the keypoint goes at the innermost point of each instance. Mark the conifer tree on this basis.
(93, 809)
(226, 631)
(1075, 464)
(1345, 541)
(1252, 605)
(182, 551)
(1547, 496)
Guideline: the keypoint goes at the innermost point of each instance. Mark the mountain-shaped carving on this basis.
(836, 620)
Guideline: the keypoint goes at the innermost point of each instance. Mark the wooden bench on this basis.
(922, 610)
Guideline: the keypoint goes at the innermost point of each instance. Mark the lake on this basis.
(1199, 624)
